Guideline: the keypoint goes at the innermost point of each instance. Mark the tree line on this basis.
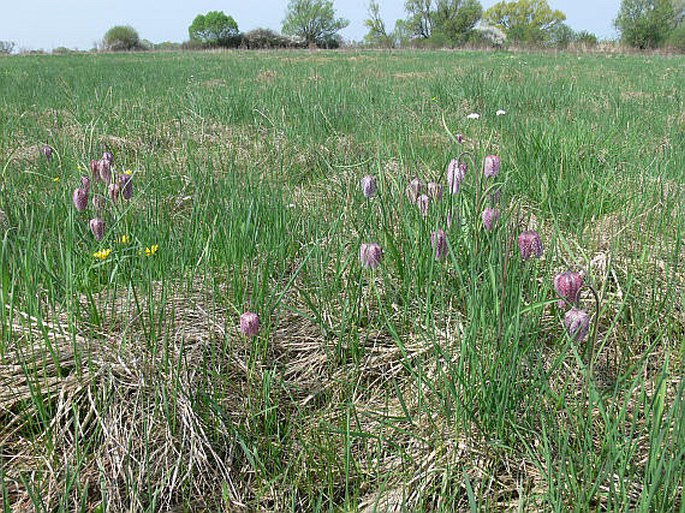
(643, 24)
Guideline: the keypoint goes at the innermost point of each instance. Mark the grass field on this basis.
(420, 385)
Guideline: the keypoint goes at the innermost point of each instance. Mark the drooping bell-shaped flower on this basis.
(126, 186)
(439, 242)
(460, 138)
(456, 172)
(369, 186)
(105, 170)
(490, 217)
(434, 190)
(113, 190)
(530, 245)
(249, 324)
(80, 199)
(577, 323)
(422, 202)
(568, 285)
(46, 151)
(97, 226)
(370, 255)
(109, 157)
(85, 183)
(414, 189)
(95, 170)
(491, 166)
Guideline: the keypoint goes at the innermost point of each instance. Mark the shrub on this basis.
(122, 39)
(6, 47)
(676, 40)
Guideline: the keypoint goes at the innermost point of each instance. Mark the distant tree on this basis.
(6, 47)
(647, 23)
(586, 38)
(446, 22)
(121, 38)
(263, 38)
(313, 21)
(214, 29)
(561, 36)
(528, 21)
(377, 35)
(676, 40)
(456, 19)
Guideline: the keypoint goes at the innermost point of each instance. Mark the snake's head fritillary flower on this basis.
(490, 217)
(491, 166)
(85, 183)
(370, 254)
(126, 185)
(568, 285)
(46, 151)
(414, 189)
(95, 170)
(113, 190)
(99, 202)
(97, 226)
(422, 202)
(109, 157)
(456, 172)
(460, 138)
(439, 242)
(249, 324)
(80, 199)
(369, 186)
(530, 245)
(434, 190)
(105, 170)
(577, 323)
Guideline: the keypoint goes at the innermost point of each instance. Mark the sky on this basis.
(47, 24)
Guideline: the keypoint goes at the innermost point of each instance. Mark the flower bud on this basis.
(456, 172)
(113, 190)
(98, 202)
(530, 245)
(577, 323)
(422, 202)
(47, 152)
(414, 189)
(85, 183)
(491, 166)
(126, 186)
(80, 199)
(568, 285)
(439, 242)
(460, 138)
(369, 186)
(490, 217)
(370, 255)
(97, 226)
(434, 190)
(249, 324)
(95, 170)
(109, 157)
(105, 170)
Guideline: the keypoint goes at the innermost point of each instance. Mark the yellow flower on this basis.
(124, 239)
(102, 254)
(128, 172)
(151, 250)
(55, 179)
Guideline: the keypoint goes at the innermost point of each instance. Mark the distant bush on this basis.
(167, 46)
(122, 39)
(6, 47)
(62, 50)
(263, 38)
(676, 40)
(586, 38)
(215, 28)
(489, 36)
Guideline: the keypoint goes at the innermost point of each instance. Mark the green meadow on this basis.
(423, 384)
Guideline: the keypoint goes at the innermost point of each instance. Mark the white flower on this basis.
(473, 115)
(500, 112)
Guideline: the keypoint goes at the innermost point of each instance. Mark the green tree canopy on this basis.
(214, 29)
(313, 20)
(377, 35)
(121, 38)
(525, 20)
(647, 23)
(451, 21)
